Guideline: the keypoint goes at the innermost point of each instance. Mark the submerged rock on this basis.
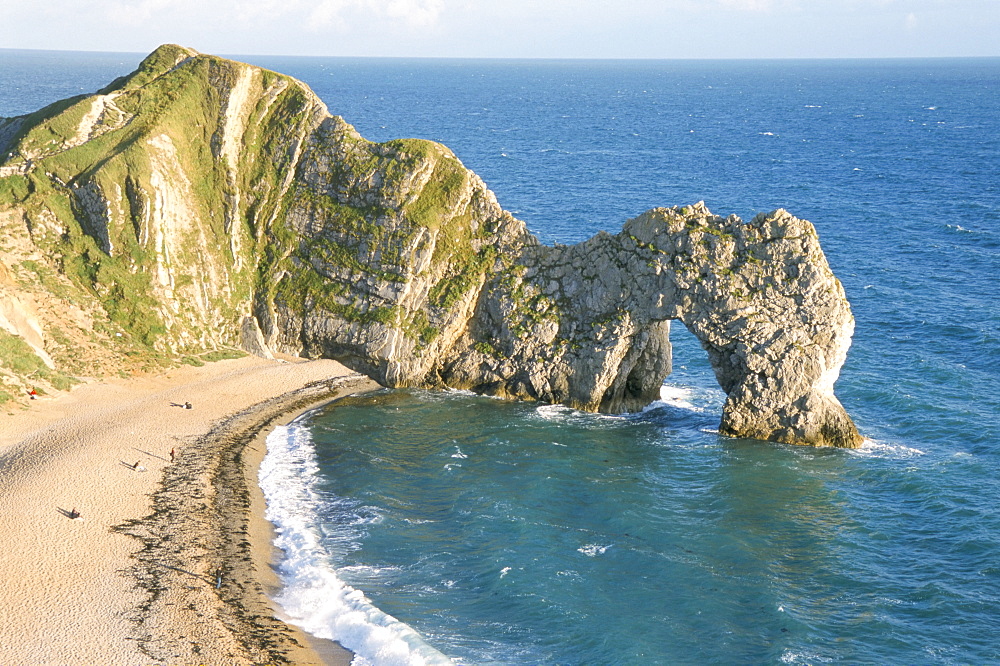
(202, 202)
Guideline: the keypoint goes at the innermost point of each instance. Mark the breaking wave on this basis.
(313, 597)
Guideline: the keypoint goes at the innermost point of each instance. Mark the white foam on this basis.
(312, 596)
(564, 414)
(674, 396)
(593, 549)
(877, 449)
(789, 657)
(553, 412)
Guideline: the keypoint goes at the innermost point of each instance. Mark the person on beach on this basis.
(172, 455)
(32, 394)
(74, 514)
(187, 405)
(136, 465)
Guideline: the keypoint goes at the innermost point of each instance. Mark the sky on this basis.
(513, 28)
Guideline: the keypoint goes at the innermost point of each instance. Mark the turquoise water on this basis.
(526, 534)
(520, 533)
(514, 533)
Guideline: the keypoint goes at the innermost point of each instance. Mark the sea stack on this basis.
(200, 203)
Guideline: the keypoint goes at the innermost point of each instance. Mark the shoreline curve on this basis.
(206, 500)
(192, 587)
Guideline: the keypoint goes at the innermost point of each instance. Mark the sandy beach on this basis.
(116, 554)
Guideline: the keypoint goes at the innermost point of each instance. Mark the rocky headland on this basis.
(200, 204)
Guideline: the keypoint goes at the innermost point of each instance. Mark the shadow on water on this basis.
(775, 549)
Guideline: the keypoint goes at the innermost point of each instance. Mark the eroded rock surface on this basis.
(201, 203)
(760, 297)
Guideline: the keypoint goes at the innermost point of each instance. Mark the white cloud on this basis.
(748, 5)
(140, 13)
(326, 14)
(338, 13)
(417, 13)
(250, 10)
(314, 15)
(504, 28)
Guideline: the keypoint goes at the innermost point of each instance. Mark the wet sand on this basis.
(167, 562)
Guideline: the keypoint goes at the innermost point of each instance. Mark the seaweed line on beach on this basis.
(195, 568)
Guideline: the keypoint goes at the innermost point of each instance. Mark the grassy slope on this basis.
(71, 262)
(104, 256)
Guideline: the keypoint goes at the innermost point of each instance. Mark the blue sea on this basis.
(440, 527)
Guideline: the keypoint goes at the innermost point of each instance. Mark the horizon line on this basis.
(521, 58)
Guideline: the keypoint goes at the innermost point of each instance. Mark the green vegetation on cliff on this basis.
(18, 358)
(198, 200)
(127, 194)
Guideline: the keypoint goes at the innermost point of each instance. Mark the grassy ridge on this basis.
(139, 203)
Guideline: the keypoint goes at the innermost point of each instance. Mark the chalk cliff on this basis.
(200, 204)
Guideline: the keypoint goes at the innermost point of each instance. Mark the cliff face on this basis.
(200, 203)
(760, 297)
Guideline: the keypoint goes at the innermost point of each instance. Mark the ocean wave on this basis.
(876, 449)
(593, 549)
(312, 596)
(564, 414)
(790, 657)
(678, 397)
(551, 412)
